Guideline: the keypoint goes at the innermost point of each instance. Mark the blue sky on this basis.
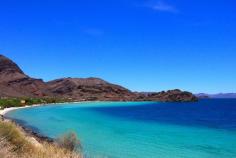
(144, 45)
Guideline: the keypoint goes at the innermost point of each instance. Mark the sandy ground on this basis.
(6, 110)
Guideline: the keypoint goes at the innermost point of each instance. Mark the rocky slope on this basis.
(172, 96)
(14, 83)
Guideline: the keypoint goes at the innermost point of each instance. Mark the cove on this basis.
(141, 129)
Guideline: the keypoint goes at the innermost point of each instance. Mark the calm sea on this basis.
(205, 129)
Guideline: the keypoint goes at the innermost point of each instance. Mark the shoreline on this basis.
(36, 144)
(6, 110)
(28, 131)
(32, 134)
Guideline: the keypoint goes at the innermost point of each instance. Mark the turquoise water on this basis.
(141, 129)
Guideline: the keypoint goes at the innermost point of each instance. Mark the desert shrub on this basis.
(53, 151)
(69, 141)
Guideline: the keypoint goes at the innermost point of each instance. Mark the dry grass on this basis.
(14, 144)
(5, 150)
(51, 151)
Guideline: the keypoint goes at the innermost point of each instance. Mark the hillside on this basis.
(89, 89)
(15, 83)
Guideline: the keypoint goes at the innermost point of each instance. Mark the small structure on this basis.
(23, 102)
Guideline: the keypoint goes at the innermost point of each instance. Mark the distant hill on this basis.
(89, 89)
(15, 83)
(219, 95)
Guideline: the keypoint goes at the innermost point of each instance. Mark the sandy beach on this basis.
(6, 110)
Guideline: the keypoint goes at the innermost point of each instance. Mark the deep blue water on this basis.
(215, 113)
(205, 129)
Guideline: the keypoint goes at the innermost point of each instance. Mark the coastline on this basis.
(33, 136)
(30, 133)
(6, 110)
(30, 143)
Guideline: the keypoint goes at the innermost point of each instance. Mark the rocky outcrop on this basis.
(172, 96)
(9, 71)
(14, 83)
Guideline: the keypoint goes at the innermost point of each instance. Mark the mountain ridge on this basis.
(15, 83)
(217, 95)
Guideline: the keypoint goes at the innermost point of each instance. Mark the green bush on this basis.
(6, 103)
(16, 102)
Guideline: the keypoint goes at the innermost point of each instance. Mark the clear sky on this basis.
(144, 45)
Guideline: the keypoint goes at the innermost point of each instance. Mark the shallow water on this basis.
(206, 129)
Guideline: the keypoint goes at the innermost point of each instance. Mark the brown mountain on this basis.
(89, 89)
(14, 83)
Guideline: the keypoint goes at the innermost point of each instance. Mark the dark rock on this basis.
(172, 96)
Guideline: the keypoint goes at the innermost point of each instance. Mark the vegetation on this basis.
(15, 144)
(69, 141)
(18, 102)
(9, 133)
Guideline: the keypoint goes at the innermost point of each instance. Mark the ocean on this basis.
(204, 129)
